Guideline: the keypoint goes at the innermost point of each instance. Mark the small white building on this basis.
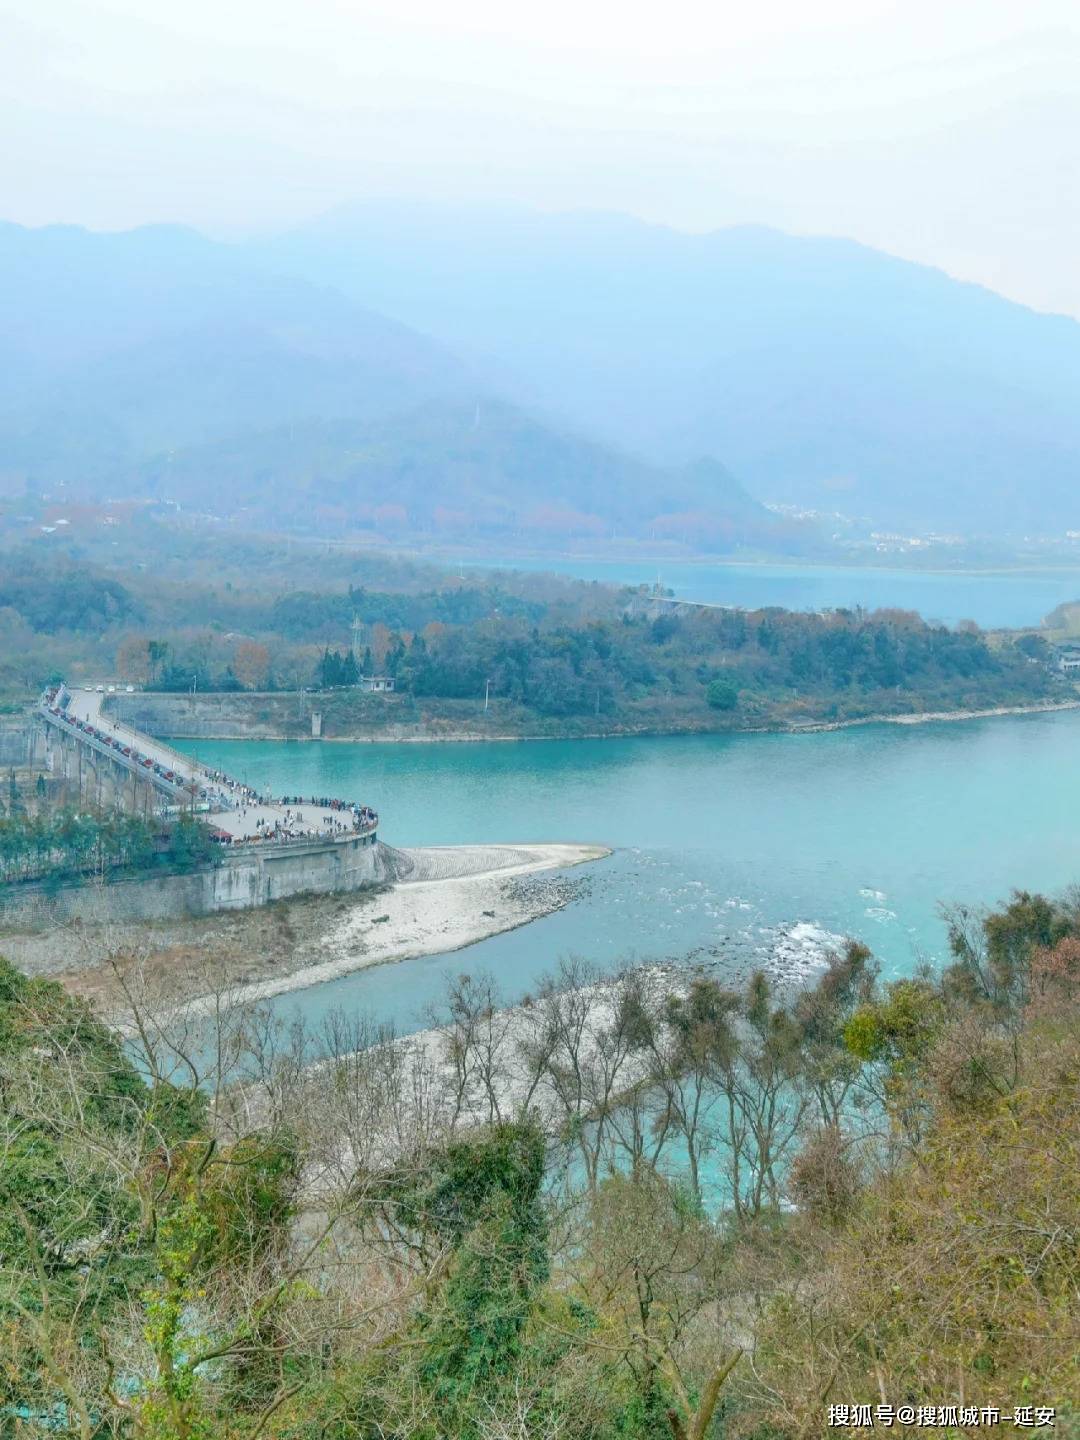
(1068, 659)
(380, 684)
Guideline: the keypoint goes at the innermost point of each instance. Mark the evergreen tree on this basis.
(330, 669)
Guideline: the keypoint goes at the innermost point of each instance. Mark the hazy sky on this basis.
(947, 131)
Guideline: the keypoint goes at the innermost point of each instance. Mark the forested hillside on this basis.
(477, 470)
(554, 657)
(631, 1208)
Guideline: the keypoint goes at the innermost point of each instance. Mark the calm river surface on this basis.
(730, 850)
(995, 599)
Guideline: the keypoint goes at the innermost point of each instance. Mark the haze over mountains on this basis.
(409, 368)
(822, 373)
(480, 469)
(158, 363)
(118, 347)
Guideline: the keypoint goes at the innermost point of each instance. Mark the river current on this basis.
(730, 851)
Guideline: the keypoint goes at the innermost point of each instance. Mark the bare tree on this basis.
(655, 1268)
(475, 1028)
(584, 1034)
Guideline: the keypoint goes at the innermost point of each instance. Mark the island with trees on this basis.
(496, 653)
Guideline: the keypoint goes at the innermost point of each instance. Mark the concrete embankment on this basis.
(215, 717)
(437, 899)
(238, 880)
(389, 719)
(445, 898)
(341, 715)
(14, 739)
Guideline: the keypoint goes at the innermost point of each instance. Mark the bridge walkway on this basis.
(236, 811)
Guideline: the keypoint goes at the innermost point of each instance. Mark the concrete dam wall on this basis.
(14, 740)
(215, 717)
(239, 880)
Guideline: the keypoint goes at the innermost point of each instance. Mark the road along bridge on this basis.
(114, 764)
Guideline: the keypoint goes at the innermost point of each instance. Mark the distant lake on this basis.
(729, 849)
(1007, 598)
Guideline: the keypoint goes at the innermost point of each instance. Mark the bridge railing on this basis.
(177, 759)
(132, 762)
(189, 773)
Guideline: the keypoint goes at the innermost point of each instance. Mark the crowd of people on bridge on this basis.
(223, 792)
(218, 790)
(294, 826)
(324, 802)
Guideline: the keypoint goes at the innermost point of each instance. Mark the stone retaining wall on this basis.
(14, 742)
(214, 716)
(241, 879)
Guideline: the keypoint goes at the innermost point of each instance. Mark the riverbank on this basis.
(455, 896)
(385, 721)
(927, 717)
(866, 558)
(794, 727)
(448, 897)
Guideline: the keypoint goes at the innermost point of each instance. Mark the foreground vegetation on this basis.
(550, 656)
(68, 843)
(633, 1208)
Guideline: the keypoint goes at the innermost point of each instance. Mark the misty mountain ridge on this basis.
(159, 363)
(824, 373)
(119, 346)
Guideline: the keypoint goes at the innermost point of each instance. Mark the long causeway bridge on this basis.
(114, 764)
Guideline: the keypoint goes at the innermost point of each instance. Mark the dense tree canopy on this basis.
(67, 843)
(558, 656)
(634, 1207)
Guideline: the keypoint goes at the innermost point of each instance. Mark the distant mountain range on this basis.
(481, 469)
(417, 369)
(823, 374)
(117, 347)
(158, 363)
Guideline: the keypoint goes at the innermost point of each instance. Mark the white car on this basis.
(130, 689)
(100, 689)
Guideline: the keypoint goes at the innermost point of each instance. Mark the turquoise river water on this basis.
(732, 851)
